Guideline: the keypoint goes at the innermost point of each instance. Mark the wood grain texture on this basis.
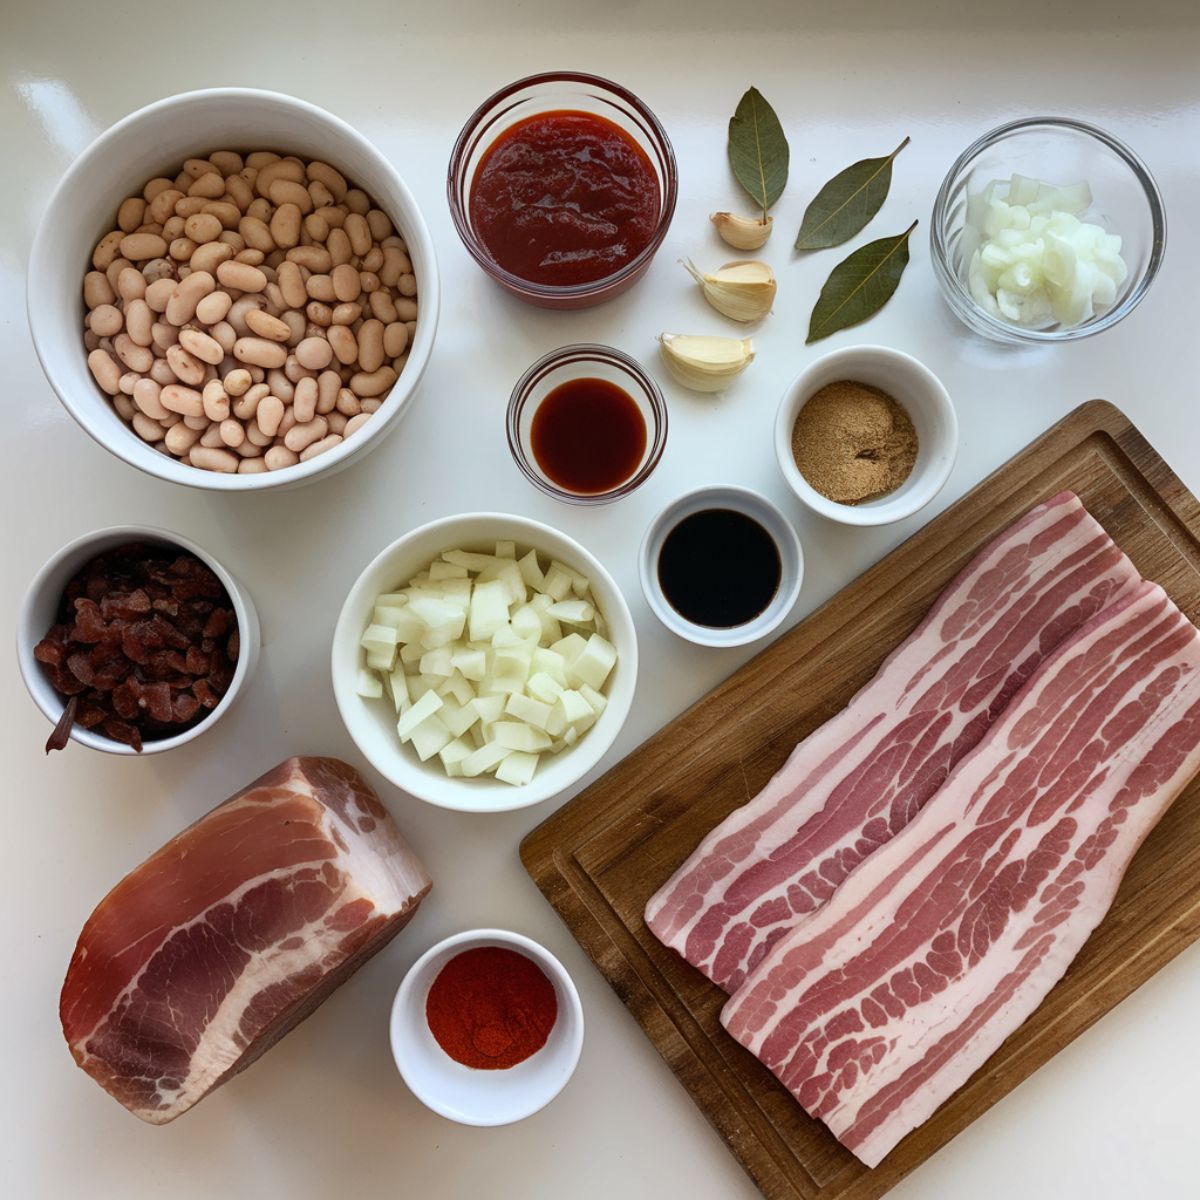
(600, 857)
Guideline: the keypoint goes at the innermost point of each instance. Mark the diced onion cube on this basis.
(429, 737)
(380, 638)
(574, 612)
(510, 668)
(457, 591)
(471, 664)
(598, 702)
(458, 718)
(543, 687)
(516, 735)
(464, 558)
(461, 689)
(436, 662)
(558, 583)
(489, 610)
(452, 755)
(575, 710)
(489, 708)
(426, 706)
(534, 712)
(595, 661)
(455, 751)
(570, 647)
(369, 685)
(398, 683)
(505, 638)
(531, 572)
(381, 660)
(506, 571)
(486, 758)
(526, 623)
(550, 662)
(579, 583)
(409, 627)
(517, 768)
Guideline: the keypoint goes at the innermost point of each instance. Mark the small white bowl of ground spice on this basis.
(866, 435)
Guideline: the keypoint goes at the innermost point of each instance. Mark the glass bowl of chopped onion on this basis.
(1046, 230)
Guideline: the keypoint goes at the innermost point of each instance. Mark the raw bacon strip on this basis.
(859, 779)
(875, 1009)
(218, 944)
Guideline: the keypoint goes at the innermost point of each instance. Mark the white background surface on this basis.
(324, 1113)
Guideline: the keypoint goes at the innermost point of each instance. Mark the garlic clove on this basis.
(705, 364)
(743, 290)
(742, 233)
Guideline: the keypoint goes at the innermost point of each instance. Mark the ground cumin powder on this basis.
(853, 442)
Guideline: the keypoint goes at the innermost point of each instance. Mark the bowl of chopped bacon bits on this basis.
(133, 640)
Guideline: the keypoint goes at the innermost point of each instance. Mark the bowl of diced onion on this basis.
(1046, 230)
(484, 662)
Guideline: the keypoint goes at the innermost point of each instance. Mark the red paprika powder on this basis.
(491, 1008)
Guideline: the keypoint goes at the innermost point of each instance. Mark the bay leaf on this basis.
(758, 149)
(859, 286)
(847, 202)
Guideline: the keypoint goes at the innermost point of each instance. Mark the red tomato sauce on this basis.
(564, 198)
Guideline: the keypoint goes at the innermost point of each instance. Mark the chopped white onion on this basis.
(1035, 261)
(473, 656)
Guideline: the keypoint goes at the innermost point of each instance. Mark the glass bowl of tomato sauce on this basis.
(562, 187)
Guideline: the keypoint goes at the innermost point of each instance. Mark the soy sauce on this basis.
(588, 436)
(719, 568)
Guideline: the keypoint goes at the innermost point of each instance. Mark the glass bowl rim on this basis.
(953, 287)
(577, 353)
(458, 158)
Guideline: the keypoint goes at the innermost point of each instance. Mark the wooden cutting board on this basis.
(600, 857)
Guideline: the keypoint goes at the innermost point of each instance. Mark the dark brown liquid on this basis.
(719, 568)
(588, 436)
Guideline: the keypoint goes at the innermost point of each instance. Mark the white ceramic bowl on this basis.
(156, 139)
(760, 509)
(474, 1097)
(39, 611)
(372, 723)
(922, 395)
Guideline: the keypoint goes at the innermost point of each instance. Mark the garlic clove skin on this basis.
(743, 290)
(705, 364)
(742, 233)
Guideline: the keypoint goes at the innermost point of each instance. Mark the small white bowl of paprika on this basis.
(486, 1027)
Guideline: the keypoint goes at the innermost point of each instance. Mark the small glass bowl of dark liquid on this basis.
(721, 566)
(586, 424)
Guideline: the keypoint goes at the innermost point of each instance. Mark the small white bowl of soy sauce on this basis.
(721, 566)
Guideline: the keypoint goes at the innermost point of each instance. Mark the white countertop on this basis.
(324, 1113)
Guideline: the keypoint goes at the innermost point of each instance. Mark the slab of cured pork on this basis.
(856, 781)
(877, 1007)
(222, 941)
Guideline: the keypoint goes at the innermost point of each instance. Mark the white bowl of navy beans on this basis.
(157, 140)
